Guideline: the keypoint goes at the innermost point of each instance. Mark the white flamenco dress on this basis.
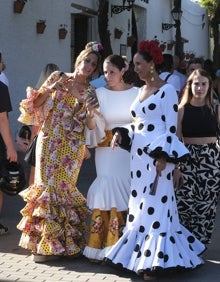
(108, 195)
(153, 239)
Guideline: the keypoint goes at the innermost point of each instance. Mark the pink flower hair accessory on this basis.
(97, 47)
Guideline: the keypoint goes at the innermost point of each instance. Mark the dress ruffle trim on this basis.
(96, 135)
(49, 220)
(96, 254)
(31, 115)
(148, 253)
(101, 194)
(168, 146)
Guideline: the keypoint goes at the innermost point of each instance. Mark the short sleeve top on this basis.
(5, 101)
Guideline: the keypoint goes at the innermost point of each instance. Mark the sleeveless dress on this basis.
(153, 239)
(53, 219)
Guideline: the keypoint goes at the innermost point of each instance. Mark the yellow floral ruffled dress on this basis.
(53, 220)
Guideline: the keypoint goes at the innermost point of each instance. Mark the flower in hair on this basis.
(154, 51)
(97, 47)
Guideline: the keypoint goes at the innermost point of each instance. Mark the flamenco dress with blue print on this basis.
(153, 239)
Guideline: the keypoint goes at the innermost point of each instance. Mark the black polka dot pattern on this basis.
(134, 193)
(152, 107)
(164, 199)
(147, 253)
(140, 126)
(150, 127)
(152, 231)
(156, 225)
(173, 129)
(130, 218)
(150, 210)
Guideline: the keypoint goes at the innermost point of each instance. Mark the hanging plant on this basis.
(187, 55)
(131, 40)
(62, 31)
(19, 6)
(192, 55)
(118, 33)
(41, 25)
(163, 46)
(156, 40)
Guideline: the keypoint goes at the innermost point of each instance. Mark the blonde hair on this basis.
(86, 52)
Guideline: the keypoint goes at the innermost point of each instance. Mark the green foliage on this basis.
(211, 6)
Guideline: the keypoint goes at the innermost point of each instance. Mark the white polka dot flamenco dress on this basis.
(153, 239)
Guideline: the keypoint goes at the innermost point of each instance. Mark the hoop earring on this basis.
(152, 73)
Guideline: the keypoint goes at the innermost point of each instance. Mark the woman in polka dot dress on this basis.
(153, 240)
(53, 222)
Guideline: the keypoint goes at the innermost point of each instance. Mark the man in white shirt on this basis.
(166, 72)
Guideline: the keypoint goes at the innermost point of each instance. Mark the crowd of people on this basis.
(155, 130)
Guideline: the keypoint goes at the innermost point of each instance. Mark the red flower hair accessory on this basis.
(154, 51)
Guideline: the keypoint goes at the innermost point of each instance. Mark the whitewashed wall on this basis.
(26, 52)
(195, 29)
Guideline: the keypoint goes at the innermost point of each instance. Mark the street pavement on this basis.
(16, 263)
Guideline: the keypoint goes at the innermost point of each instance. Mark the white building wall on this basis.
(25, 52)
(195, 28)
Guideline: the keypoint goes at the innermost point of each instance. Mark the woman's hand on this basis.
(160, 165)
(177, 178)
(116, 140)
(91, 105)
(12, 154)
(87, 154)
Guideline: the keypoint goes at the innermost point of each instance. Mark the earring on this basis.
(152, 73)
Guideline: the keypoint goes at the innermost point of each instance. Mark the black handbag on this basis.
(30, 154)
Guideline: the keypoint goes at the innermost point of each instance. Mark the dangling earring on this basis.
(152, 73)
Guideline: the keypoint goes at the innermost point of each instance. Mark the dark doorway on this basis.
(79, 35)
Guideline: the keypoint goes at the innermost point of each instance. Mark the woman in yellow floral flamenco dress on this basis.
(53, 222)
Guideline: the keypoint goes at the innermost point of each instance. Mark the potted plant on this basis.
(156, 40)
(19, 5)
(41, 25)
(131, 40)
(118, 33)
(191, 55)
(62, 31)
(163, 46)
(187, 55)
